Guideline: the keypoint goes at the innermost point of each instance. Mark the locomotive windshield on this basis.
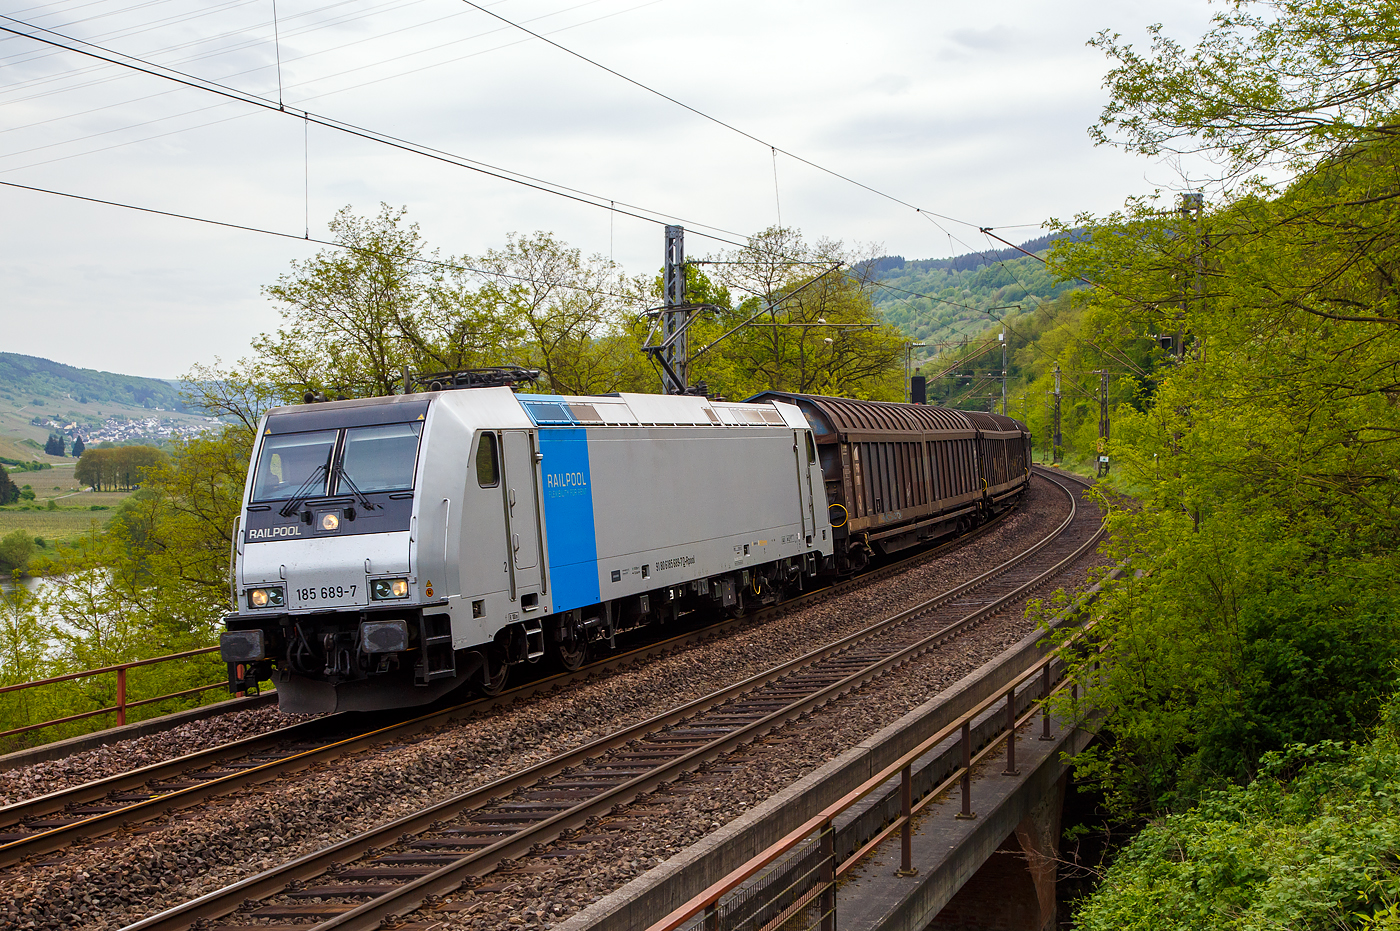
(380, 458)
(300, 465)
(294, 464)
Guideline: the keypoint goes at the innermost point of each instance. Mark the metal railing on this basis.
(803, 868)
(122, 704)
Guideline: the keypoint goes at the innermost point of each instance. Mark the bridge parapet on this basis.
(668, 890)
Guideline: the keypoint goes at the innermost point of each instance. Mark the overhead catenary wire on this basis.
(308, 117)
(277, 48)
(719, 122)
(505, 174)
(454, 266)
(773, 148)
(1118, 357)
(594, 199)
(240, 33)
(188, 80)
(250, 43)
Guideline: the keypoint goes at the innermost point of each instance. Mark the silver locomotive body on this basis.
(392, 549)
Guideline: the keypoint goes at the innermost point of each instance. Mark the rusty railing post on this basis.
(967, 811)
(1045, 707)
(828, 898)
(906, 832)
(712, 917)
(121, 696)
(1011, 769)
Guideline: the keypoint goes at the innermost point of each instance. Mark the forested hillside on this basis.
(26, 378)
(936, 300)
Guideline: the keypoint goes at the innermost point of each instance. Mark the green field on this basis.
(81, 499)
(52, 525)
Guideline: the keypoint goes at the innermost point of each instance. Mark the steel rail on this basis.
(96, 824)
(448, 878)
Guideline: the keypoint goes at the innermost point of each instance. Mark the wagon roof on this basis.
(994, 422)
(846, 414)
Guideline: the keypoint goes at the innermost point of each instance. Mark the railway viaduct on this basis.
(980, 852)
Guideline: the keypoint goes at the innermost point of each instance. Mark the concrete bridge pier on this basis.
(1014, 890)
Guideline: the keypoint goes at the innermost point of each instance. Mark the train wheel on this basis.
(570, 646)
(494, 672)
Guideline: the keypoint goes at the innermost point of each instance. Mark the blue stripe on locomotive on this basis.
(568, 517)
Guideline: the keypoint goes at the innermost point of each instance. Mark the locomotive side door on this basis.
(806, 452)
(521, 497)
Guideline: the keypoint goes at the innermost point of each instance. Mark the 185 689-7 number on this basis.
(326, 592)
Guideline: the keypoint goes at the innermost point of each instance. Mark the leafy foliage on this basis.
(154, 582)
(119, 467)
(1275, 82)
(804, 320)
(1266, 450)
(16, 549)
(1309, 844)
(356, 318)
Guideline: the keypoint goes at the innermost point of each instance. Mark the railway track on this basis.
(398, 867)
(51, 822)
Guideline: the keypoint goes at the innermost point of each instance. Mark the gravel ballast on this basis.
(115, 880)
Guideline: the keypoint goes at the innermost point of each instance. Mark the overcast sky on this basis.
(977, 111)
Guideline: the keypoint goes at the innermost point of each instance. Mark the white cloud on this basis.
(974, 112)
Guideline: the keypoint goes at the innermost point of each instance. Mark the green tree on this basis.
(118, 467)
(1309, 843)
(24, 657)
(355, 316)
(1266, 452)
(572, 312)
(174, 537)
(9, 491)
(804, 322)
(1284, 83)
(16, 549)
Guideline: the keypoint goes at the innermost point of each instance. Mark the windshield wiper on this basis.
(359, 495)
(295, 501)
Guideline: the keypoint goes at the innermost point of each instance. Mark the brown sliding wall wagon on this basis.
(897, 475)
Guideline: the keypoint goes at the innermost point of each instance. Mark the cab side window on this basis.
(811, 450)
(488, 466)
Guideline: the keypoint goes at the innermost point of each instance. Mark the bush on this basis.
(1310, 844)
(16, 549)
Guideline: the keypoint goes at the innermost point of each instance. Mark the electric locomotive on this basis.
(364, 570)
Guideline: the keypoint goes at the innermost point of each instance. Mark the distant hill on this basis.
(24, 379)
(934, 300)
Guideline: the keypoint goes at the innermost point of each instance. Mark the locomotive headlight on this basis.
(330, 521)
(388, 589)
(265, 598)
